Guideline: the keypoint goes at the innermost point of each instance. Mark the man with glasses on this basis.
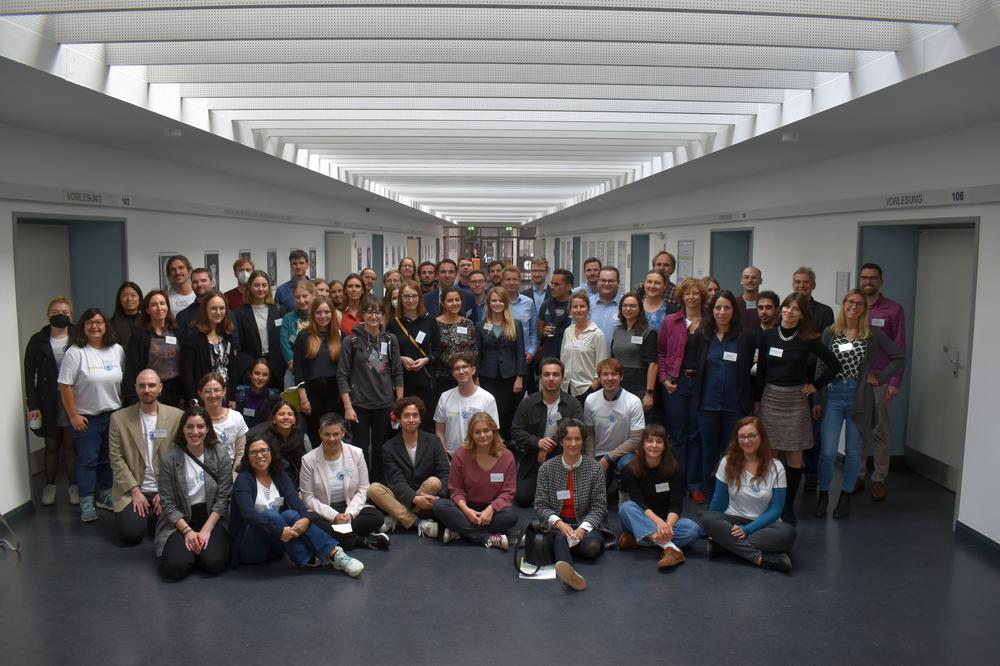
(604, 305)
(457, 405)
(888, 315)
(477, 287)
(539, 290)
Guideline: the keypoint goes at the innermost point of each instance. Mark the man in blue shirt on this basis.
(522, 308)
(604, 306)
(553, 316)
(591, 273)
(447, 272)
(298, 262)
(477, 287)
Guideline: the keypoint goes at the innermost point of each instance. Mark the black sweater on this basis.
(643, 491)
(789, 369)
(423, 379)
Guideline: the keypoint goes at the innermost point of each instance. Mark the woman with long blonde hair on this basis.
(317, 358)
(501, 367)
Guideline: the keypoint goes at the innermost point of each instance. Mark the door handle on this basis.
(955, 364)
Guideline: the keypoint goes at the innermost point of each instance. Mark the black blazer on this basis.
(745, 348)
(185, 318)
(501, 357)
(196, 361)
(41, 379)
(403, 477)
(432, 300)
(136, 360)
(528, 427)
(249, 344)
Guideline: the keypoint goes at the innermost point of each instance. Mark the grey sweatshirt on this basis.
(370, 368)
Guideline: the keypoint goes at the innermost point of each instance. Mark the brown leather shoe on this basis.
(671, 558)
(569, 577)
(859, 485)
(878, 491)
(627, 541)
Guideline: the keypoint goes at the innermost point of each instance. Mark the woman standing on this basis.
(651, 517)
(256, 400)
(390, 280)
(355, 296)
(292, 323)
(47, 417)
(745, 514)
(501, 368)
(370, 380)
(583, 347)
(286, 433)
(417, 335)
(268, 519)
(337, 294)
(677, 358)
(782, 390)
(711, 287)
(194, 483)
(230, 428)
(322, 287)
(258, 328)
(208, 347)
(481, 488)
(154, 344)
(407, 269)
(849, 399)
(654, 305)
(634, 345)
(125, 318)
(571, 497)
(317, 353)
(90, 379)
(722, 390)
(456, 334)
(391, 307)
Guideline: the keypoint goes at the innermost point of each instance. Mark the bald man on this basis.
(746, 303)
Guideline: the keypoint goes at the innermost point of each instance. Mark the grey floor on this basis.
(889, 585)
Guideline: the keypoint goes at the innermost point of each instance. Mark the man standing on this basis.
(553, 316)
(613, 418)
(137, 436)
(447, 271)
(522, 309)
(664, 264)
(202, 284)
(746, 303)
(427, 274)
(242, 268)
(457, 405)
(888, 315)
(535, 424)
(494, 271)
(591, 274)
(179, 293)
(465, 267)
(539, 290)
(604, 306)
(298, 263)
(477, 287)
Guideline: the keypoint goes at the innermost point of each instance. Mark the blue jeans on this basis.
(257, 546)
(635, 520)
(837, 411)
(716, 431)
(682, 427)
(93, 461)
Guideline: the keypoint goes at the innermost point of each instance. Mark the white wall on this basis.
(834, 198)
(174, 208)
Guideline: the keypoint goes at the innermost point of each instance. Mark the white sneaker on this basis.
(74, 495)
(450, 535)
(496, 540)
(341, 561)
(388, 525)
(428, 528)
(49, 495)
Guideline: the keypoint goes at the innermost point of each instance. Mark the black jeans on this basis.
(372, 429)
(177, 561)
(589, 548)
(324, 397)
(502, 391)
(130, 528)
(368, 520)
(448, 513)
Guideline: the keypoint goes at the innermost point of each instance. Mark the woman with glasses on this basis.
(745, 515)
(229, 426)
(634, 345)
(848, 401)
(208, 347)
(370, 379)
(417, 335)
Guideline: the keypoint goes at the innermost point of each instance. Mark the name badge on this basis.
(462, 330)
(277, 322)
(637, 339)
(578, 344)
(158, 434)
(776, 351)
(383, 348)
(751, 305)
(249, 411)
(729, 356)
(845, 347)
(420, 337)
(496, 477)
(663, 487)
(487, 326)
(346, 474)
(878, 322)
(562, 495)
(170, 339)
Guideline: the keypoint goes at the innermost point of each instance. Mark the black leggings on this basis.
(131, 528)
(368, 520)
(178, 562)
(62, 441)
(324, 397)
(502, 391)
(372, 429)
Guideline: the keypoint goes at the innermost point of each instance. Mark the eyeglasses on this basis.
(461, 368)
(259, 453)
(410, 297)
(854, 304)
(748, 438)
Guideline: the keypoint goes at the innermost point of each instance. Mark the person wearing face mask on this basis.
(317, 355)
(155, 344)
(203, 284)
(257, 326)
(285, 431)
(417, 334)
(237, 296)
(46, 415)
(257, 399)
(126, 315)
(292, 323)
(501, 368)
(746, 303)
(208, 347)
(391, 306)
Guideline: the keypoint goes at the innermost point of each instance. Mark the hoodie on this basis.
(370, 368)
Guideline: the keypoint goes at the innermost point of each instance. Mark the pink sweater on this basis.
(670, 345)
(468, 481)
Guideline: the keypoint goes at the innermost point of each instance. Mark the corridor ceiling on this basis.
(490, 112)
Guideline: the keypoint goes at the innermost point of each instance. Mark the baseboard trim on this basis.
(20, 512)
(965, 532)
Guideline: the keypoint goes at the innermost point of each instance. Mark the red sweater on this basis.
(468, 481)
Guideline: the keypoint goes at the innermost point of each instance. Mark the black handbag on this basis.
(537, 543)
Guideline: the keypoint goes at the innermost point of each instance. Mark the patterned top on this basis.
(455, 338)
(850, 354)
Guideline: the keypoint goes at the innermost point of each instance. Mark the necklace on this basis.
(790, 337)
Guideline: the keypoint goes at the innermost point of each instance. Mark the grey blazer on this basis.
(590, 495)
(172, 485)
(863, 412)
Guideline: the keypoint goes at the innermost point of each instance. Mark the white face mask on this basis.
(243, 276)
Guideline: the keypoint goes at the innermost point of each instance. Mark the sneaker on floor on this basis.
(776, 562)
(74, 495)
(627, 541)
(341, 561)
(568, 576)
(88, 513)
(712, 549)
(376, 541)
(49, 495)
(104, 501)
(496, 540)
(450, 535)
(428, 528)
(671, 558)
(388, 525)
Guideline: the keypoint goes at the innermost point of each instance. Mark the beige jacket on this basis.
(128, 450)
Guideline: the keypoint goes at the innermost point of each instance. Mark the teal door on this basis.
(730, 254)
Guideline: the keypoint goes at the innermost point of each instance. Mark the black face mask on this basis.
(60, 321)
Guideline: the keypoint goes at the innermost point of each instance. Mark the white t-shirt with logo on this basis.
(96, 377)
(454, 411)
(267, 498)
(613, 420)
(335, 477)
(552, 418)
(195, 477)
(752, 499)
(228, 430)
(148, 484)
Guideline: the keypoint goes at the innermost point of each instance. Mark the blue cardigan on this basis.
(242, 513)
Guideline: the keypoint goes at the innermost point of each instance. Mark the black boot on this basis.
(821, 502)
(794, 475)
(843, 508)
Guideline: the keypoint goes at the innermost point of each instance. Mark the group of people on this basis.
(319, 417)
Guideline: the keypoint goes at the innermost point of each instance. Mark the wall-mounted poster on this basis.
(163, 258)
(272, 266)
(246, 253)
(212, 264)
(685, 259)
(312, 263)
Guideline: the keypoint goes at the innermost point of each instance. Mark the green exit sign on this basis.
(471, 227)
(508, 228)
